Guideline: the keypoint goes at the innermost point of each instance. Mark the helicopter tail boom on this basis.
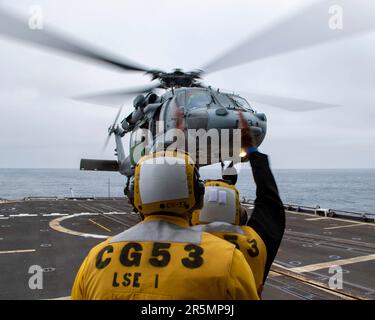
(99, 165)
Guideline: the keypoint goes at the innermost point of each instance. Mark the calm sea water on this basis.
(352, 190)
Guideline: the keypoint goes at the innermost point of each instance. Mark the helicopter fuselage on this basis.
(204, 109)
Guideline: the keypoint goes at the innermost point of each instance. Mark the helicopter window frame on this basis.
(246, 107)
(207, 93)
(153, 121)
(220, 97)
(171, 103)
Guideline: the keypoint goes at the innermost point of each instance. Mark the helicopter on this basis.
(203, 106)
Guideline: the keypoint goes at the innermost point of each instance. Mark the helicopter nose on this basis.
(220, 118)
(197, 119)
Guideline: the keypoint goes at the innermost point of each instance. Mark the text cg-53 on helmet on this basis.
(221, 203)
(167, 181)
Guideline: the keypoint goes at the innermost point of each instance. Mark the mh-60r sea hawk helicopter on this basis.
(204, 107)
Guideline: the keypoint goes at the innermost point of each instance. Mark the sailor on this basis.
(162, 257)
(222, 215)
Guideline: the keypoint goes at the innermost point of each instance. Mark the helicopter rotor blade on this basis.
(105, 145)
(117, 116)
(290, 104)
(16, 27)
(112, 128)
(112, 98)
(312, 26)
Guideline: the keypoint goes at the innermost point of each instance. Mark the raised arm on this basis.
(268, 218)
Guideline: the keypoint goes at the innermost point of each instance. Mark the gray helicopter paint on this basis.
(151, 109)
(126, 167)
(206, 117)
(119, 149)
(228, 121)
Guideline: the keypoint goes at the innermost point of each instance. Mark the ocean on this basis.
(341, 189)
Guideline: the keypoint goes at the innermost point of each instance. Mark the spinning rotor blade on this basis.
(113, 98)
(112, 128)
(313, 26)
(291, 104)
(117, 116)
(106, 143)
(18, 28)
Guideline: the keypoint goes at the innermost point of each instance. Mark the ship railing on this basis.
(326, 212)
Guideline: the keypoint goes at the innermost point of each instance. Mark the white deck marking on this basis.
(313, 219)
(274, 275)
(55, 224)
(346, 226)
(17, 251)
(20, 215)
(324, 265)
(115, 212)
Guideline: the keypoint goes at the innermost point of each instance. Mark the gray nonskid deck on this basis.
(311, 245)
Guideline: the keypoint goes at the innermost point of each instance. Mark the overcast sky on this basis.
(40, 127)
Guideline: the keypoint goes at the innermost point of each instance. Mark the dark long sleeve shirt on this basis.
(268, 218)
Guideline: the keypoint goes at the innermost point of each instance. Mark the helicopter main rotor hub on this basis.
(177, 78)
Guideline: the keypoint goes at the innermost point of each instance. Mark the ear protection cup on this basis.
(228, 211)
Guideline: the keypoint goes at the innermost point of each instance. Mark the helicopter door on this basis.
(168, 116)
(178, 101)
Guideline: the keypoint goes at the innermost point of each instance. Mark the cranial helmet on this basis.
(221, 203)
(167, 181)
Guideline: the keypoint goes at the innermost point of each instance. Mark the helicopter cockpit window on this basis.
(197, 99)
(241, 102)
(227, 102)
